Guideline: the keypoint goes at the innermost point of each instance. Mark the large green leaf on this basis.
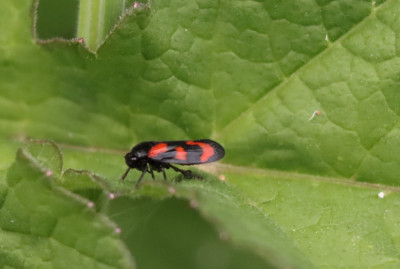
(303, 87)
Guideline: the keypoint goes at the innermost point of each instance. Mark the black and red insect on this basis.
(152, 156)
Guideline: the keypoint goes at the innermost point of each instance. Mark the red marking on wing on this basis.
(208, 151)
(157, 149)
(181, 154)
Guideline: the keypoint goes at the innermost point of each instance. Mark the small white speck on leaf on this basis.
(117, 230)
(140, 6)
(315, 113)
(49, 173)
(381, 194)
(171, 190)
(90, 204)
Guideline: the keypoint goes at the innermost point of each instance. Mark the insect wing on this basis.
(187, 152)
(204, 151)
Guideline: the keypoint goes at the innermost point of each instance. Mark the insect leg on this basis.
(126, 173)
(150, 170)
(185, 173)
(141, 176)
(163, 172)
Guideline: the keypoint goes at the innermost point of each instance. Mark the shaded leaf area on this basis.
(247, 73)
(170, 234)
(328, 218)
(45, 226)
(56, 19)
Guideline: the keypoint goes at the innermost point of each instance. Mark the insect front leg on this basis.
(126, 173)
